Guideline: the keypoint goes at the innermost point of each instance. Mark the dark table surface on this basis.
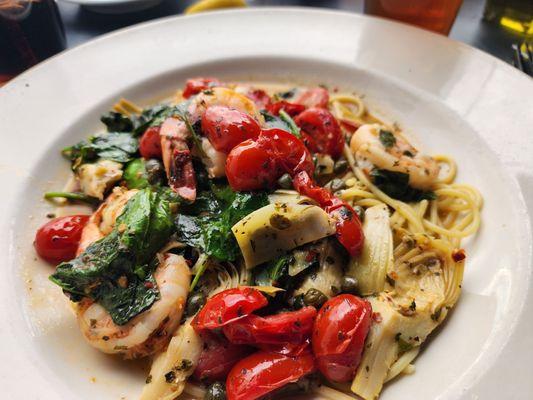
(82, 25)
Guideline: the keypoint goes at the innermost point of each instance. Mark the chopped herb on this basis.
(293, 128)
(387, 138)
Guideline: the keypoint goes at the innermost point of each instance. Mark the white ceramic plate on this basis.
(454, 99)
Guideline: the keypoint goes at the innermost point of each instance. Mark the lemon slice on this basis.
(206, 5)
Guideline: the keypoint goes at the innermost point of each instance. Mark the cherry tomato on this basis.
(321, 131)
(217, 359)
(264, 372)
(290, 108)
(227, 127)
(289, 152)
(150, 143)
(348, 226)
(339, 336)
(288, 327)
(259, 97)
(315, 97)
(228, 306)
(57, 240)
(196, 85)
(249, 166)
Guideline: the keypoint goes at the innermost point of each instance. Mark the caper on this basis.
(314, 297)
(215, 391)
(297, 302)
(195, 302)
(285, 182)
(360, 211)
(336, 184)
(340, 166)
(154, 171)
(349, 285)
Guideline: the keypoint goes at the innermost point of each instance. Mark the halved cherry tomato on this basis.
(264, 372)
(339, 336)
(150, 143)
(227, 127)
(290, 108)
(228, 306)
(349, 228)
(259, 97)
(290, 153)
(315, 97)
(249, 166)
(287, 327)
(196, 85)
(57, 240)
(321, 132)
(217, 359)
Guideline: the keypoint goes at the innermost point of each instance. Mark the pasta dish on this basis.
(259, 241)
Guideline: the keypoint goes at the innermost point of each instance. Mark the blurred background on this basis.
(33, 30)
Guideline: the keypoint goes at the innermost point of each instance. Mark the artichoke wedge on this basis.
(423, 285)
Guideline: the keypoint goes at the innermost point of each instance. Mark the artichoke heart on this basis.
(171, 368)
(269, 232)
(370, 269)
(423, 285)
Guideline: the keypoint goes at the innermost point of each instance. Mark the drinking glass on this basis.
(30, 31)
(434, 15)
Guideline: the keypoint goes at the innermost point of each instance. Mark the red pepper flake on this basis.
(458, 255)
(148, 285)
(376, 317)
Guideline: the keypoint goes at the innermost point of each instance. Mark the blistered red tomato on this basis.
(228, 306)
(217, 359)
(321, 132)
(256, 164)
(264, 372)
(196, 85)
(314, 97)
(227, 127)
(287, 327)
(249, 166)
(290, 108)
(150, 143)
(348, 226)
(339, 336)
(57, 240)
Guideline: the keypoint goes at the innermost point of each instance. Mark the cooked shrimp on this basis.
(177, 158)
(220, 96)
(214, 160)
(103, 219)
(148, 332)
(401, 156)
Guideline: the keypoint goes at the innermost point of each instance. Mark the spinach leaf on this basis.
(114, 146)
(293, 128)
(208, 225)
(386, 138)
(286, 95)
(396, 185)
(116, 271)
(271, 272)
(276, 122)
(117, 122)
